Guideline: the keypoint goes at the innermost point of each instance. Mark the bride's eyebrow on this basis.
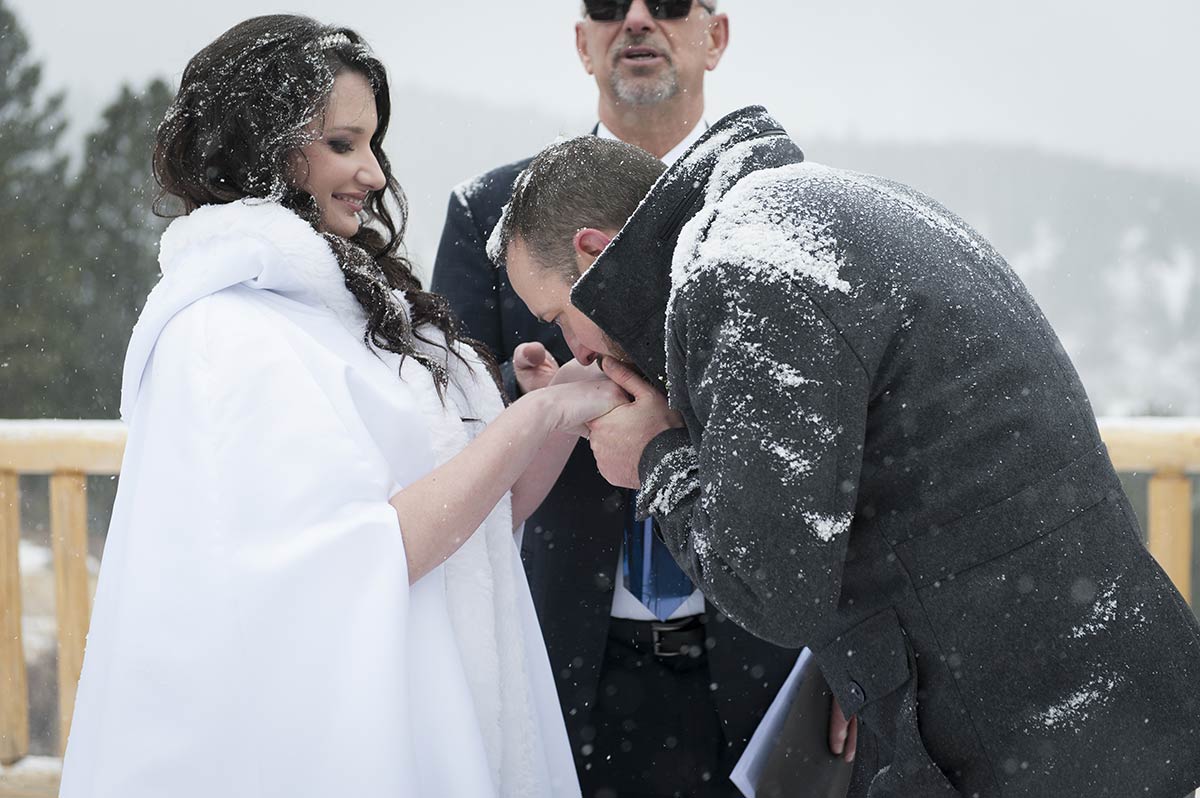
(349, 129)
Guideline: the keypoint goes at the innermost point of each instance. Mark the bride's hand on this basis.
(575, 371)
(574, 404)
(533, 366)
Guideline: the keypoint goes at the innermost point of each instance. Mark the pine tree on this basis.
(112, 237)
(32, 177)
(77, 254)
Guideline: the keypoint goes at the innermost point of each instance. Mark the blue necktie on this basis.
(651, 574)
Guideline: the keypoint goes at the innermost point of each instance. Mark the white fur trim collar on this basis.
(250, 242)
(285, 253)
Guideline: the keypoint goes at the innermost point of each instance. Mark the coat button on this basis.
(856, 692)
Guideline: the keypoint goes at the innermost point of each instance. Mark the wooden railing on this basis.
(69, 451)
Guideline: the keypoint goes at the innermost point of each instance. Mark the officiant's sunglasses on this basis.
(615, 10)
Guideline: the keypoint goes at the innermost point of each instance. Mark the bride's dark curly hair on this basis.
(236, 129)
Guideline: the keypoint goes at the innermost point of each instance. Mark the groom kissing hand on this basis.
(886, 455)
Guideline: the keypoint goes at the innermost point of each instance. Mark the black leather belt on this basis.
(666, 639)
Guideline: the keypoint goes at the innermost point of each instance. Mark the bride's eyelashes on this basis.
(340, 146)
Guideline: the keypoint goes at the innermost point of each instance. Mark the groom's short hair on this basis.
(581, 182)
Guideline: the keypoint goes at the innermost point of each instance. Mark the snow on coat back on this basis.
(748, 232)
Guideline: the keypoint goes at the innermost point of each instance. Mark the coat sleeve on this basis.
(755, 500)
(463, 273)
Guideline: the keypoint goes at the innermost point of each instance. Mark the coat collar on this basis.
(626, 290)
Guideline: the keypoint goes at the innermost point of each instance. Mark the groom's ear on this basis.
(589, 243)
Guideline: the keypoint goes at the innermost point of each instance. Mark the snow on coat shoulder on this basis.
(751, 231)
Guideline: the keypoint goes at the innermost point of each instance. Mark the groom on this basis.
(873, 444)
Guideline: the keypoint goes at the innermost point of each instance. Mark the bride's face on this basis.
(342, 170)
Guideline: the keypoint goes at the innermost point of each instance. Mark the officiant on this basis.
(660, 692)
(857, 431)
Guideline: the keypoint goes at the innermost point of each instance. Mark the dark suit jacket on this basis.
(889, 457)
(571, 544)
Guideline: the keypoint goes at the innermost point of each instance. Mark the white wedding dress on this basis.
(254, 632)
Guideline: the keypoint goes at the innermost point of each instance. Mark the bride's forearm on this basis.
(532, 487)
(442, 509)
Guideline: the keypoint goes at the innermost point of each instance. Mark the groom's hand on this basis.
(618, 438)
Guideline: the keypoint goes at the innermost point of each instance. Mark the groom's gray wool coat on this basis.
(889, 458)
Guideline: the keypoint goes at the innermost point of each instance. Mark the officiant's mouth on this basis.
(642, 56)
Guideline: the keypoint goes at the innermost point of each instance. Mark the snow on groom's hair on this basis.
(581, 182)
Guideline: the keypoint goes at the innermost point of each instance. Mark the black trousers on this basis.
(655, 730)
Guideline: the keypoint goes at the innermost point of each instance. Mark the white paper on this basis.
(748, 771)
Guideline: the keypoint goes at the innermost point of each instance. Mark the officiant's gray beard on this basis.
(645, 91)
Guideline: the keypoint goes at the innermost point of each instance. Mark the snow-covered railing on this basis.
(68, 451)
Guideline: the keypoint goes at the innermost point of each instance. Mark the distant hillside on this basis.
(1111, 254)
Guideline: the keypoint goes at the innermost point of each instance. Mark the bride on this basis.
(310, 585)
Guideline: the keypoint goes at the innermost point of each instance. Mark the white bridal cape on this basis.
(254, 632)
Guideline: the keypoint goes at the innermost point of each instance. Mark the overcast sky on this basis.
(1110, 79)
